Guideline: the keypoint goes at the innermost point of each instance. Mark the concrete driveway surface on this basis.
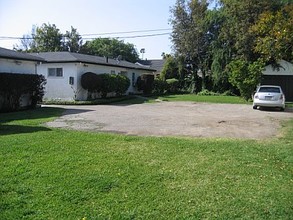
(175, 119)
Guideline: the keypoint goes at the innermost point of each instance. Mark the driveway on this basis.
(175, 119)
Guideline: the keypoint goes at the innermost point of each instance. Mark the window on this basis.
(112, 71)
(269, 89)
(133, 79)
(71, 80)
(55, 72)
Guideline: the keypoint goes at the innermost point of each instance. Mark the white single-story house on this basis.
(63, 71)
(281, 75)
(19, 63)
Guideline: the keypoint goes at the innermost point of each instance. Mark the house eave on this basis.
(102, 64)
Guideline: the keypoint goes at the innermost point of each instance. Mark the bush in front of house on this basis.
(122, 84)
(108, 84)
(145, 83)
(105, 83)
(172, 85)
(13, 86)
(160, 86)
(91, 82)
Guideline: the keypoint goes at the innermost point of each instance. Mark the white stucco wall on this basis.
(58, 88)
(17, 66)
(285, 68)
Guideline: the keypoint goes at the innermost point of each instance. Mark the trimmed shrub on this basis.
(91, 82)
(108, 84)
(160, 86)
(13, 86)
(122, 84)
(173, 85)
(105, 83)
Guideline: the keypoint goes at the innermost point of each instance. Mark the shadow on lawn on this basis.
(11, 123)
(20, 129)
(39, 113)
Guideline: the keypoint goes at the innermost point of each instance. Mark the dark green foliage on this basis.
(211, 38)
(48, 38)
(145, 83)
(105, 83)
(110, 48)
(245, 76)
(159, 86)
(73, 41)
(170, 69)
(13, 86)
(108, 84)
(91, 81)
(173, 85)
(121, 85)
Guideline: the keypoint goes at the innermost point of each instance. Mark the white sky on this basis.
(91, 17)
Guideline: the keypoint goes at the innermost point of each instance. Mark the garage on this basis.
(282, 75)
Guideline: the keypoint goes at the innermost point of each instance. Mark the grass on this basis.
(100, 101)
(133, 99)
(58, 174)
(185, 97)
(209, 99)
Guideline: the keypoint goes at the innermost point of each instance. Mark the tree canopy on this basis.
(225, 45)
(48, 38)
(111, 48)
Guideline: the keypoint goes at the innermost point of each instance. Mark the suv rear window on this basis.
(269, 89)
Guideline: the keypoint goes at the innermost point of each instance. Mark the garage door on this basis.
(286, 82)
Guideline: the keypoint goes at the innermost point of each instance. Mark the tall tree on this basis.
(48, 38)
(111, 48)
(73, 40)
(192, 35)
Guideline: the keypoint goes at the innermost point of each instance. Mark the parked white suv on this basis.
(269, 96)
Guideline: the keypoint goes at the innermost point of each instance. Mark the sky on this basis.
(92, 17)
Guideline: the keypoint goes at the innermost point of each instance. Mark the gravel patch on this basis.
(175, 119)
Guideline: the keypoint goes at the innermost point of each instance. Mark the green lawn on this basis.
(185, 97)
(58, 174)
(210, 99)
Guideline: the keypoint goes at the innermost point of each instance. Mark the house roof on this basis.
(69, 57)
(282, 67)
(11, 54)
(154, 64)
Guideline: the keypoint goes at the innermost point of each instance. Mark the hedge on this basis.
(105, 83)
(14, 85)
